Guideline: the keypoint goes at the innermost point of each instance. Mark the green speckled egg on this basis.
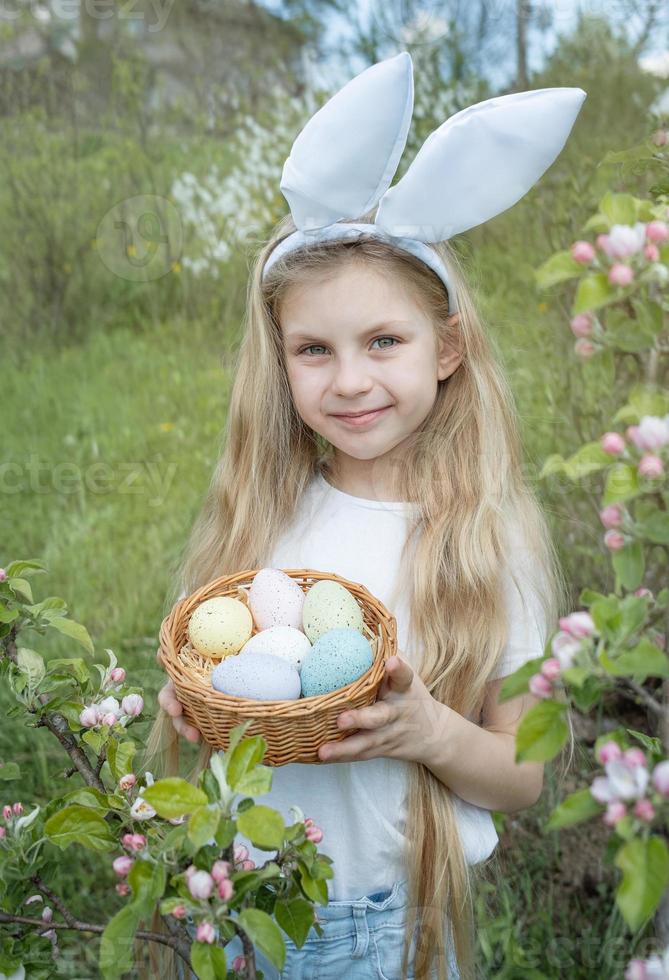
(327, 606)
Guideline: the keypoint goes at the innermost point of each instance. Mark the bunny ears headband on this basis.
(475, 165)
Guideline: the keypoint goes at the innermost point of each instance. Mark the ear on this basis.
(449, 357)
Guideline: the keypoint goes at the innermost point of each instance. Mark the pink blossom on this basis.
(652, 253)
(631, 432)
(644, 810)
(239, 963)
(3, 575)
(565, 647)
(315, 834)
(205, 933)
(127, 840)
(118, 675)
(220, 871)
(615, 811)
(18, 809)
(248, 865)
(651, 433)
(109, 719)
(612, 443)
(621, 274)
(627, 782)
(132, 704)
(578, 624)
(225, 889)
(138, 842)
(107, 705)
(241, 852)
(584, 347)
(602, 241)
(539, 685)
(657, 231)
(650, 466)
(660, 777)
(611, 516)
(190, 871)
(123, 888)
(127, 781)
(309, 822)
(581, 325)
(7, 812)
(179, 911)
(582, 251)
(200, 884)
(122, 865)
(614, 540)
(636, 970)
(551, 668)
(141, 810)
(625, 240)
(642, 592)
(88, 717)
(608, 751)
(635, 757)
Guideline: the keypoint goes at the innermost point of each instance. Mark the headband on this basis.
(475, 165)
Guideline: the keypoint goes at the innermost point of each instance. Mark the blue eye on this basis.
(311, 346)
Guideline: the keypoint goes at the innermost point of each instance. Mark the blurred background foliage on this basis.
(140, 158)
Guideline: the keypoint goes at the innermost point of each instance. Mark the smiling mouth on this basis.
(364, 418)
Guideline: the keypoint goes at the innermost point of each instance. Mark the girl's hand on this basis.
(398, 725)
(167, 699)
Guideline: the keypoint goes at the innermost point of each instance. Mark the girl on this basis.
(423, 499)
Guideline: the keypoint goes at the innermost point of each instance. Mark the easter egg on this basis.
(327, 606)
(258, 676)
(220, 626)
(280, 641)
(337, 658)
(275, 599)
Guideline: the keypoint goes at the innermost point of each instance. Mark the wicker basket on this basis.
(294, 730)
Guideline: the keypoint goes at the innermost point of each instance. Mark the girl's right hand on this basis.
(167, 699)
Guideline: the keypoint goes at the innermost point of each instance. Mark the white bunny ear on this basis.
(479, 163)
(347, 154)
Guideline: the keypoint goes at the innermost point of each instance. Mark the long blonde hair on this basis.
(465, 471)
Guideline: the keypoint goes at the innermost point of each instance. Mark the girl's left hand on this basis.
(398, 725)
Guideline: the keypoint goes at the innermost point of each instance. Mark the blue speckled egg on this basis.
(259, 676)
(337, 658)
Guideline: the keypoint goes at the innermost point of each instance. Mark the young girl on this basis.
(423, 499)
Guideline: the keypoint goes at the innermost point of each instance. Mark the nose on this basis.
(351, 377)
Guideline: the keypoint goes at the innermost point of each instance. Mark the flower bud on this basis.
(315, 834)
(239, 963)
(642, 592)
(205, 933)
(636, 970)
(241, 852)
(657, 231)
(7, 812)
(123, 888)
(615, 811)
(132, 704)
(612, 443)
(200, 885)
(248, 865)
(652, 253)
(127, 781)
(109, 719)
(47, 914)
(608, 751)
(583, 252)
(179, 912)
(225, 889)
(138, 842)
(220, 871)
(122, 865)
(578, 624)
(621, 274)
(18, 809)
(127, 840)
(118, 675)
(88, 717)
(660, 777)
(581, 325)
(3, 575)
(602, 242)
(611, 516)
(584, 348)
(644, 810)
(551, 668)
(650, 466)
(614, 540)
(635, 757)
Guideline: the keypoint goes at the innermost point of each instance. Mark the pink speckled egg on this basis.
(275, 599)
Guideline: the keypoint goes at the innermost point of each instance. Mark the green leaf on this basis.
(622, 483)
(263, 826)
(31, 664)
(633, 614)
(655, 528)
(630, 564)
(620, 209)
(117, 943)
(588, 459)
(314, 888)
(88, 796)
(575, 808)
(120, 756)
(31, 566)
(147, 881)
(7, 615)
(74, 630)
(645, 660)
(8, 771)
(650, 743)
(174, 797)
(552, 464)
(516, 683)
(558, 268)
(593, 292)
(296, 917)
(203, 824)
(69, 665)
(21, 587)
(208, 961)
(264, 933)
(645, 867)
(256, 782)
(542, 732)
(80, 825)
(246, 754)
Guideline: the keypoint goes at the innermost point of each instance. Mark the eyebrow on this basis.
(299, 337)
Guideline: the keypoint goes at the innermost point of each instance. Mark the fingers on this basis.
(167, 699)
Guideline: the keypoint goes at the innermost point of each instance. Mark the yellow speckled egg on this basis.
(327, 606)
(220, 627)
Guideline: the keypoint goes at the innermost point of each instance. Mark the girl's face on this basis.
(355, 343)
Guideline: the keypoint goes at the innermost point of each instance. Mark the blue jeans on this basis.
(362, 940)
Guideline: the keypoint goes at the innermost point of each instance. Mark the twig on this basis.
(648, 699)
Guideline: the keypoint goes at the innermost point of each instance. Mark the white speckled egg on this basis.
(327, 606)
(220, 626)
(275, 599)
(337, 658)
(258, 676)
(280, 641)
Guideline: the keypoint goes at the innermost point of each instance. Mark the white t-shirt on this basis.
(361, 806)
